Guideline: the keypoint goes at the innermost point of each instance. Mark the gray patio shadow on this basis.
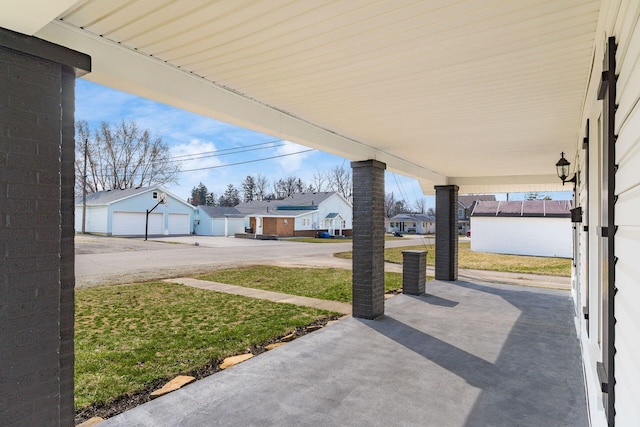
(434, 300)
(537, 377)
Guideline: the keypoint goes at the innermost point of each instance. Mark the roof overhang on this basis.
(483, 95)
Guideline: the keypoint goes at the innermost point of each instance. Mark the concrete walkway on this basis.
(339, 307)
(465, 354)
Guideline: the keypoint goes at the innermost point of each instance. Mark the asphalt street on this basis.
(112, 260)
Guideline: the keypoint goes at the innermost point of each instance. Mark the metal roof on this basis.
(526, 208)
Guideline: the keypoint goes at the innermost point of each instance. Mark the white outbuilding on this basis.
(530, 227)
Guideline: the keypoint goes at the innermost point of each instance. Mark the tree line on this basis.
(258, 187)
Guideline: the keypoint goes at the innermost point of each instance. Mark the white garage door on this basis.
(178, 223)
(133, 224)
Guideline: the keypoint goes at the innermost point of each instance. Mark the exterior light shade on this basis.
(562, 168)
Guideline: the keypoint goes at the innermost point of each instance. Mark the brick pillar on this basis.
(368, 239)
(446, 232)
(37, 83)
(414, 272)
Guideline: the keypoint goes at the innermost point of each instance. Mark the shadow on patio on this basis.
(466, 354)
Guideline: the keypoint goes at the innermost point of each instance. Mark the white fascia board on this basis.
(507, 184)
(29, 16)
(127, 70)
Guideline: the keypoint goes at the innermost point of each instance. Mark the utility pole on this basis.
(84, 188)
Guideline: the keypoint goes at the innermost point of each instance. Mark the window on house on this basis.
(460, 213)
(344, 224)
(155, 194)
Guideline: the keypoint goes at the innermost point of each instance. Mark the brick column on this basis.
(368, 239)
(414, 272)
(446, 232)
(37, 84)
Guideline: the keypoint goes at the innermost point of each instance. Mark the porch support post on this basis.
(37, 150)
(368, 239)
(446, 232)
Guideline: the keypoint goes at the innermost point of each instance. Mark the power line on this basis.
(247, 161)
(228, 149)
(237, 151)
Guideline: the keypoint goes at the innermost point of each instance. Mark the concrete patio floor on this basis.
(465, 354)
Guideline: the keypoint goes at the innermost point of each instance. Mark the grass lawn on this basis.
(128, 337)
(323, 283)
(486, 261)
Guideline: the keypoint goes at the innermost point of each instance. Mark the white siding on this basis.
(627, 243)
(234, 225)
(178, 224)
(133, 224)
(619, 18)
(522, 236)
(96, 221)
(217, 227)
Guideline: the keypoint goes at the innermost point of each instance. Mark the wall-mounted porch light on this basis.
(562, 167)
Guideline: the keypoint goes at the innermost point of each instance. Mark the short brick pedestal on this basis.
(414, 272)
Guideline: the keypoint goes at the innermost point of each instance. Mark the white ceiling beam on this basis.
(127, 70)
(29, 16)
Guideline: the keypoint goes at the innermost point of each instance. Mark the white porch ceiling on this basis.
(480, 93)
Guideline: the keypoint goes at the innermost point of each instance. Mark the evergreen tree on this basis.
(249, 189)
(231, 196)
(198, 195)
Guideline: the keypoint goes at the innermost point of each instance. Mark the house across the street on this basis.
(411, 223)
(300, 215)
(530, 227)
(124, 213)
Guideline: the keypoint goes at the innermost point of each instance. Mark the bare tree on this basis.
(288, 186)
(121, 156)
(393, 207)
(340, 181)
(319, 180)
(420, 205)
(389, 205)
(261, 184)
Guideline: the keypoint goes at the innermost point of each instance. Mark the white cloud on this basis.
(291, 164)
(196, 154)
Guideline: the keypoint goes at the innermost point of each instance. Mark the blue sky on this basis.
(187, 133)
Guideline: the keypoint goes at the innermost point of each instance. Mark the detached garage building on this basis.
(123, 213)
(531, 227)
(219, 221)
